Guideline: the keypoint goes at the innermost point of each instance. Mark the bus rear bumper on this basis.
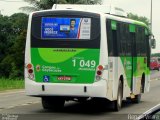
(97, 89)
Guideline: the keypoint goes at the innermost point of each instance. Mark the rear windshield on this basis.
(65, 29)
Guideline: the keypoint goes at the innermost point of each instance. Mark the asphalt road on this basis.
(15, 105)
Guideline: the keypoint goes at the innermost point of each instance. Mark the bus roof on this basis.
(127, 20)
(106, 9)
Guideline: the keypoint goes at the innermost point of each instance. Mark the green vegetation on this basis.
(155, 55)
(139, 18)
(47, 4)
(12, 44)
(7, 84)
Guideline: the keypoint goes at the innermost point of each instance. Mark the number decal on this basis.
(74, 62)
(83, 63)
(93, 63)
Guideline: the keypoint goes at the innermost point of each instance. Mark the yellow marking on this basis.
(132, 95)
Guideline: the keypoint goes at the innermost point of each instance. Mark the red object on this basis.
(99, 72)
(64, 78)
(29, 66)
(155, 64)
(100, 67)
(30, 71)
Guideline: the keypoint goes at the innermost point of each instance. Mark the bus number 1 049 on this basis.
(84, 63)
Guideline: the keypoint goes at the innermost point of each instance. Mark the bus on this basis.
(82, 52)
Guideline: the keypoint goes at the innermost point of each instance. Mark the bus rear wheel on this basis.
(53, 103)
(117, 104)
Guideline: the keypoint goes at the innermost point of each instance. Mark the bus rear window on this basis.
(65, 28)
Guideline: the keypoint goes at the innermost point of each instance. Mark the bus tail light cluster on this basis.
(30, 71)
(99, 72)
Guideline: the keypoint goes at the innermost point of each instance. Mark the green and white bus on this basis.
(79, 52)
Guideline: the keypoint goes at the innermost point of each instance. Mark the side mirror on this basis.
(153, 43)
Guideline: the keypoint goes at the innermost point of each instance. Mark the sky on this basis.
(139, 7)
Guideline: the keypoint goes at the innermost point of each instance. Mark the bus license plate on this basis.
(67, 78)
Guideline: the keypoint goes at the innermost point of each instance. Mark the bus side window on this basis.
(121, 39)
(140, 41)
(115, 48)
(109, 38)
(148, 50)
(128, 41)
(133, 43)
(143, 43)
(112, 39)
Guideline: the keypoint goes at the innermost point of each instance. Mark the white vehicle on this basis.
(76, 52)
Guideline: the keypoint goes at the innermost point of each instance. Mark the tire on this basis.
(137, 99)
(117, 104)
(53, 103)
(82, 100)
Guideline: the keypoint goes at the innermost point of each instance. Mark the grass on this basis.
(8, 84)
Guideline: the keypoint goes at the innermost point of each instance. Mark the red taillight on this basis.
(100, 67)
(99, 72)
(29, 66)
(30, 71)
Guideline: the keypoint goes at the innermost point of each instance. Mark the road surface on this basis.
(15, 105)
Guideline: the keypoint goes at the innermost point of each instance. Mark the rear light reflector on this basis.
(99, 72)
(30, 71)
(31, 76)
(98, 77)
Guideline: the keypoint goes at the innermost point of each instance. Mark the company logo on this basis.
(86, 20)
(38, 68)
(46, 78)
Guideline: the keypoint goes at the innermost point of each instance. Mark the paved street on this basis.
(29, 108)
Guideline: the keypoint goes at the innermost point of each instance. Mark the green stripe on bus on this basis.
(78, 63)
(146, 32)
(114, 25)
(132, 28)
(141, 24)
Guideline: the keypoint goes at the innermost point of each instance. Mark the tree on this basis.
(47, 4)
(155, 55)
(139, 18)
(19, 22)
(5, 28)
(12, 42)
(18, 50)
